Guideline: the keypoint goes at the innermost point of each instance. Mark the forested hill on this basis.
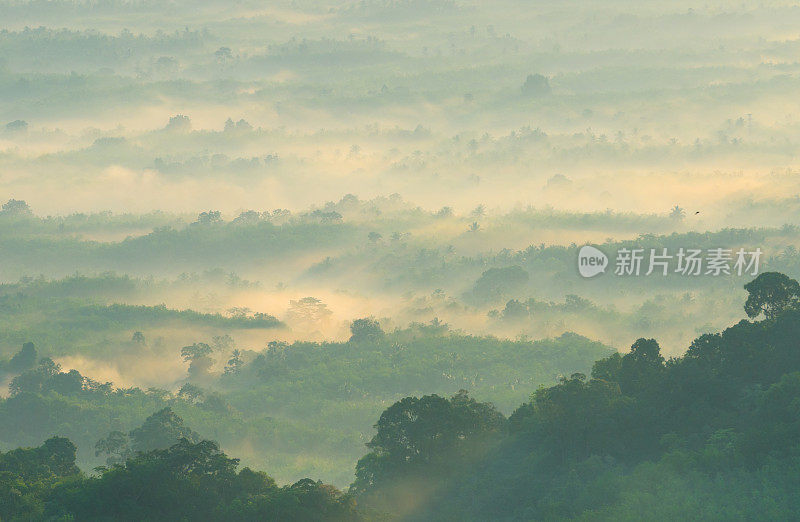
(188, 481)
(300, 409)
(711, 435)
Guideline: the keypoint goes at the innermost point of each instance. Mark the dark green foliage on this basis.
(292, 403)
(160, 430)
(56, 457)
(712, 435)
(425, 435)
(366, 329)
(27, 474)
(45, 376)
(186, 481)
(420, 443)
(24, 359)
(641, 368)
(770, 293)
(574, 419)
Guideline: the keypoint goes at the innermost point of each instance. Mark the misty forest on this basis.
(325, 260)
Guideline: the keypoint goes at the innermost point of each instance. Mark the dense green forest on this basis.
(186, 481)
(709, 435)
(293, 408)
(399, 260)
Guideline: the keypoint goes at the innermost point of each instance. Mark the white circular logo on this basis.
(591, 261)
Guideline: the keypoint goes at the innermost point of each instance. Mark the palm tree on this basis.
(677, 213)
